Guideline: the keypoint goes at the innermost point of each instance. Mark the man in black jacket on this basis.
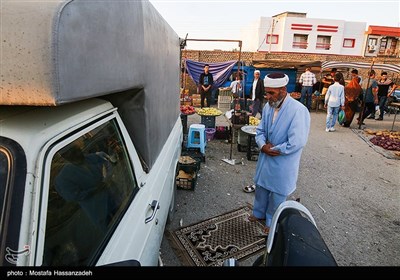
(257, 94)
(205, 83)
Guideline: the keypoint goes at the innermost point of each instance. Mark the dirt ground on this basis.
(351, 187)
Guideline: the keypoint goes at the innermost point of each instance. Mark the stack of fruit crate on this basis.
(224, 98)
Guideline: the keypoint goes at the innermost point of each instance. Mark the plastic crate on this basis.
(187, 165)
(186, 183)
(224, 92)
(194, 153)
(208, 121)
(224, 106)
(224, 99)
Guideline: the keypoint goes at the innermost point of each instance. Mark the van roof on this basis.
(62, 51)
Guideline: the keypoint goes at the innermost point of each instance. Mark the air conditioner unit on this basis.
(372, 47)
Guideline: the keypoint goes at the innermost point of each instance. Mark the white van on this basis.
(90, 133)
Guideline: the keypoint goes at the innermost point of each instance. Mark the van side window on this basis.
(91, 186)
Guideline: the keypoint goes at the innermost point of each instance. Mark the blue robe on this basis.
(288, 134)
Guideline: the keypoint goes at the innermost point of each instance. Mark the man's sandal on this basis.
(249, 188)
(253, 218)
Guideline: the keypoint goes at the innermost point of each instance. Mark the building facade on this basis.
(382, 41)
(294, 32)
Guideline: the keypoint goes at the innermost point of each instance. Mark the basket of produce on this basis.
(208, 111)
(189, 164)
(187, 110)
(186, 181)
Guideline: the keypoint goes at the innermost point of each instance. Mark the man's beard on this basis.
(275, 104)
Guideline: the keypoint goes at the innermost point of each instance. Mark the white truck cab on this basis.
(88, 155)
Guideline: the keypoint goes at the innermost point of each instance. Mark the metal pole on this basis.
(243, 85)
(270, 37)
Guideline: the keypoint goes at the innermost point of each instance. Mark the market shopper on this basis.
(236, 86)
(370, 89)
(205, 84)
(257, 94)
(281, 137)
(326, 82)
(352, 92)
(307, 81)
(334, 101)
(385, 89)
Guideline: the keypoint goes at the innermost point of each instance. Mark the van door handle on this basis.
(155, 205)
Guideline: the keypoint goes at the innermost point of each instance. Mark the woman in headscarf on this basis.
(351, 93)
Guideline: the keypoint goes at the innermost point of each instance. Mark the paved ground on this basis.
(351, 188)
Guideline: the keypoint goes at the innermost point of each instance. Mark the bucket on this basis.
(210, 132)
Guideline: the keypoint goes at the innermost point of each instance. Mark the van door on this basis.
(90, 182)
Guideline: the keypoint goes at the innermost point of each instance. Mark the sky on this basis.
(221, 19)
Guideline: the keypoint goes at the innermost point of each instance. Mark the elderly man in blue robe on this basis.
(281, 137)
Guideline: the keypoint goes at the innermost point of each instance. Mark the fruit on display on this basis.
(389, 140)
(208, 111)
(386, 142)
(187, 110)
(253, 121)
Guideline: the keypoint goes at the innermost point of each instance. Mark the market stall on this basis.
(394, 68)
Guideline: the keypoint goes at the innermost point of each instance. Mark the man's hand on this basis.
(267, 150)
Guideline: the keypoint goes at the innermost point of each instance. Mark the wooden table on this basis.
(396, 107)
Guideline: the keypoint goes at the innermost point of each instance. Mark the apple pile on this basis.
(187, 110)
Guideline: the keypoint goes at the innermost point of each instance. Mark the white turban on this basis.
(257, 71)
(276, 80)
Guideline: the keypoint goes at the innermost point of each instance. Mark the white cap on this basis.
(257, 71)
(276, 80)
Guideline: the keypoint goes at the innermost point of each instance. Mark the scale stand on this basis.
(230, 160)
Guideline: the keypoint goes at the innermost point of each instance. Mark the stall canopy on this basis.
(381, 66)
(220, 71)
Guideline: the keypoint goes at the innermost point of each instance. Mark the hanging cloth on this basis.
(220, 71)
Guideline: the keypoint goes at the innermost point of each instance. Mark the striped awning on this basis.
(345, 64)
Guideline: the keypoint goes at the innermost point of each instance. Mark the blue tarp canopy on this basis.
(220, 71)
